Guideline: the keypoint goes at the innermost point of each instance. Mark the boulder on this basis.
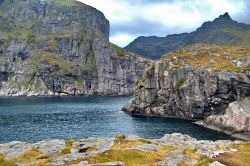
(14, 149)
(235, 119)
(51, 147)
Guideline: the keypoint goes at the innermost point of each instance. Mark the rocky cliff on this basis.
(223, 30)
(61, 47)
(193, 83)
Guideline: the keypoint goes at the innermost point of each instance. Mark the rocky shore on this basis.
(172, 149)
(234, 121)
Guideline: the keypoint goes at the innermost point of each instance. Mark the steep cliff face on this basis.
(193, 83)
(223, 30)
(61, 47)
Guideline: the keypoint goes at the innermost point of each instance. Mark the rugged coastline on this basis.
(200, 82)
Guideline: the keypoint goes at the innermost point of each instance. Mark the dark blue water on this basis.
(38, 118)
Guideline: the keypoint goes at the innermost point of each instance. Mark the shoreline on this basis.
(240, 136)
(67, 95)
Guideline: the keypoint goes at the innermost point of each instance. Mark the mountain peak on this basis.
(225, 16)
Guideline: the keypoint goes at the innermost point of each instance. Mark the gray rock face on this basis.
(175, 86)
(61, 48)
(216, 163)
(68, 158)
(51, 147)
(81, 149)
(100, 145)
(14, 149)
(235, 119)
(146, 147)
(117, 163)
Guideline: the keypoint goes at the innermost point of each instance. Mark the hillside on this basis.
(223, 31)
(53, 47)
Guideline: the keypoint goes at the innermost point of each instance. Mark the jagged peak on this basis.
(225, 16)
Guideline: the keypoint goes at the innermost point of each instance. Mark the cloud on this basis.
(130, 19)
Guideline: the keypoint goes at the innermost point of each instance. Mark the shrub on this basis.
(181, 83)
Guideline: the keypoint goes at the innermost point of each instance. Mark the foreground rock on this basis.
(50, 148)
(57, 47)
(170, 150)
(14, 149)
(194, 83)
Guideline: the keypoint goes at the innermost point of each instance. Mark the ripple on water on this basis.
(33, 119)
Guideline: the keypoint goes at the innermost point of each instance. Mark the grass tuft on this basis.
(181, 83)
(240, 158)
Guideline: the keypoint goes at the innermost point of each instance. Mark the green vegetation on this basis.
(41, 57)
(4, 162)
(120, 52)
(31, 39)
(130, 157)
(121, 142)
(181, 83)
(192, 154)
(92, 62)
(240, 158)
(69, 144)
(32, 155)
(53, 45)
(139, 84)
(70, 3)
(214, 57)
(119, 138)
(120, 152)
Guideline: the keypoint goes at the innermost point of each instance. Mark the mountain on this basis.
(196, 82)
(53, 47)
(223, 31)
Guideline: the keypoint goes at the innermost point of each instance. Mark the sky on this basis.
(130, 19)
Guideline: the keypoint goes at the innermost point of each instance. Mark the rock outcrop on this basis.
(50, 47)
(172, 149)
(222, 30)
(235, 119)
(193, 83)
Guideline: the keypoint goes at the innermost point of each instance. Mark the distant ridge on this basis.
(222, 30)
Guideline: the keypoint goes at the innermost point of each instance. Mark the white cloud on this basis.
(172, 16)
(122, 39)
